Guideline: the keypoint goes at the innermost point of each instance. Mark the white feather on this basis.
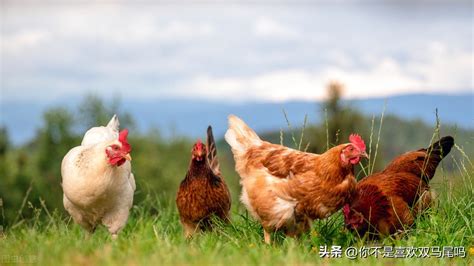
(244, 198)
(101, 134)
(94, 191)
(240, 136)
(283, 211)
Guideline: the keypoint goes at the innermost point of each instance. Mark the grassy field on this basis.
(154, 235)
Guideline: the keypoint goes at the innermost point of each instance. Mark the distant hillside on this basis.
(190, 118)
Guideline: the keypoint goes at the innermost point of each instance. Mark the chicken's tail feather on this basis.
(114, 123)
(434, 154)
(240, 136)
(100, 134)
(212, 152)
(441, 148)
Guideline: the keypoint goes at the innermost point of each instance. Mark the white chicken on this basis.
(97, 180)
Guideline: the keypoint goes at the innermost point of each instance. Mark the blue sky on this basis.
(234, 52)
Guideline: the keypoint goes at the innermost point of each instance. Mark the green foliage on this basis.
(4, 145)
(4, 142)
(160, 165)
(54, 139)
(94, 111)
(341, 120)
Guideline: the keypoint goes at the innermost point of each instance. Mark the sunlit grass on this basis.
(153, 234)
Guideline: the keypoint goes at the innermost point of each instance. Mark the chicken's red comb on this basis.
(357, 141)
(123, 139)
(346, 210)
(198, 144)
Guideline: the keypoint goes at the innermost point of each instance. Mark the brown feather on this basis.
(212, 152)
(399, 192)
(319, 183)
(201, 195)
(285, 189)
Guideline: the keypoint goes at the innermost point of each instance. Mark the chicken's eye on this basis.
(115, 147)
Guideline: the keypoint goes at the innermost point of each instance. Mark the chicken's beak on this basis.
(364, 154)
(128, 157)
(200, 156)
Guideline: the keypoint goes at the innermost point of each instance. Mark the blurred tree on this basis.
(93, 111)
(52, 142)
(55, 139)
(334, 110)
(4, 141)
(4, 145)
(342, 120)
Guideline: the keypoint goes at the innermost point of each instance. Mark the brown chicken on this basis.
(286, 189)
(203, 192)
(389, 201)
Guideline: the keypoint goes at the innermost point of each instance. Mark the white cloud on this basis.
(146, 50)
(267, 27)
(435, 70)
(441, 67)
(385, 78)
(23, 40)
(113, 26)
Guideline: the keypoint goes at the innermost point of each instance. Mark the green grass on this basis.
(153, 235)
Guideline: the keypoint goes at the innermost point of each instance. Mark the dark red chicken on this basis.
(203, 192)
(389, 201)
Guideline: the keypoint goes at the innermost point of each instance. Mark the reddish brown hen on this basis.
(203, 192)
(389, 201)
(286, 189)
